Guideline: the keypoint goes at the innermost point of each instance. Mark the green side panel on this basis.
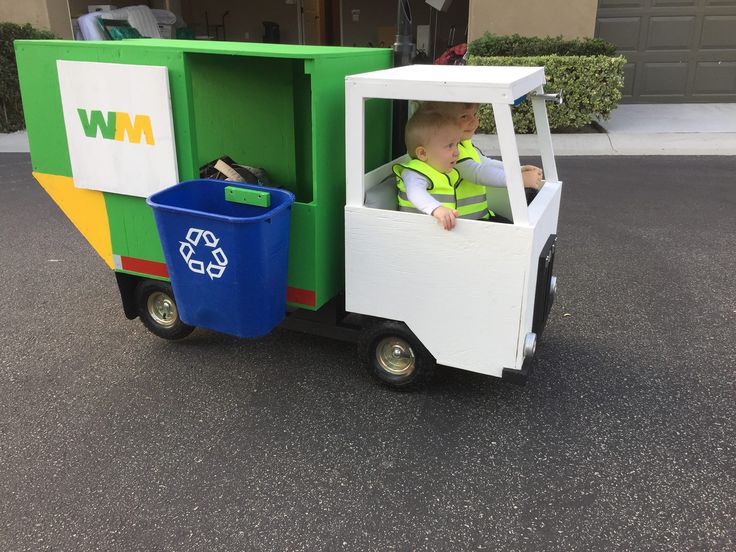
(243, 107)
(328, 137)
(133, 228)
(280, 107)
(303, 187)
(288, 116)
(301, 248)
(39, 84)
(377, 124)
(39, 88)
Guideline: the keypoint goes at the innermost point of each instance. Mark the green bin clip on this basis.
(248, 197)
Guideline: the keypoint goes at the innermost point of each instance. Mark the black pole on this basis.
(404, 47)
(404, 52)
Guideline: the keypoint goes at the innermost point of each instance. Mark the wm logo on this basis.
(117, 126)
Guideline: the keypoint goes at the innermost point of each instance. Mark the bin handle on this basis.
(259, 198)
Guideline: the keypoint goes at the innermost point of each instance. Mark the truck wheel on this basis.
(394, 355)
(157, 309)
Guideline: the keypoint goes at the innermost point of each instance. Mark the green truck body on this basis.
(279, 107)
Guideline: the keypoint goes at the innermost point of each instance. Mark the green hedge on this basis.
(591, 88)
(516, 45)
(11, 110)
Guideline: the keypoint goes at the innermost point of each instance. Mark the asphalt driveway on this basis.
(623, 439)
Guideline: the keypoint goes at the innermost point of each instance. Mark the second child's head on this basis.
(432, 137)
(466, 114)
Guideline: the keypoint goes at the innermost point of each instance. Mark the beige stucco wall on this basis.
(59, 21)
(52, 15)
(34, 12)
(569, 18)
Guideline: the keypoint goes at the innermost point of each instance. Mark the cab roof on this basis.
(452, 83)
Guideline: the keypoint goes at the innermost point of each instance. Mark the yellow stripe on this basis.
(85, 208)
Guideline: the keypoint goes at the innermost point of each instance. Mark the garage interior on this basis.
(323, 22)
(677, 51)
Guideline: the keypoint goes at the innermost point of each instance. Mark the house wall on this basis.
(35, 13)
(51, 15)
(59, 21)
(569, 18)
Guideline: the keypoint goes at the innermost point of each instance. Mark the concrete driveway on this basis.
(624, 438)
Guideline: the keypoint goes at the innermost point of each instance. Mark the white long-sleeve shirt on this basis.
(489, 172)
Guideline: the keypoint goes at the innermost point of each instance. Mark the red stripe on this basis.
(293, 295)
(301, 296)
(144, 267)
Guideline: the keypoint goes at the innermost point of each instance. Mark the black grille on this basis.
(542, 298)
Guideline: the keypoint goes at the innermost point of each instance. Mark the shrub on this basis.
(515, 45)
(11, 109)
(591, 88)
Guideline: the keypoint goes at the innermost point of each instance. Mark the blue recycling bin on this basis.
(226, 246)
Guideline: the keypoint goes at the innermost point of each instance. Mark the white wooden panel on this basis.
(468, 294)
(546, 204)
(127, 161)
(450, 83)
(377, 175)
(354, 145)
(543, 214)
(544, 138)
(460, 291)
(511, 165)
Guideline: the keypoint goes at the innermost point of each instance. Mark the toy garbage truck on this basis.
(118, 132)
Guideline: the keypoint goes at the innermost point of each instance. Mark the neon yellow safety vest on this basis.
(449, 189)
(467, 151)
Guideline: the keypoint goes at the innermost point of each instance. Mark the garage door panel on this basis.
(673, 3)
(619, 4)
(663, 79)
(719, 31)
(629, 80)
(721, 3)
(685, 49)
(670, 33)
(715, 77)
(621, 31)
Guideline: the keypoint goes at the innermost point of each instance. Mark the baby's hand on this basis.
(532, 176)
(446, 217)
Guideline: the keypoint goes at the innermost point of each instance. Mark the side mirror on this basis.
(556, 97)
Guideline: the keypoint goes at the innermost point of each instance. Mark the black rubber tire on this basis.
(374, 333)
(174, 329)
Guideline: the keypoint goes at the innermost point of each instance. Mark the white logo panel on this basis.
(119, 126)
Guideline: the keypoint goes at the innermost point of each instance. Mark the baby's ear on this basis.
(421, 153)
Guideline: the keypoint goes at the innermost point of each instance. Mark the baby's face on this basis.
(469, 121)
(441, 152)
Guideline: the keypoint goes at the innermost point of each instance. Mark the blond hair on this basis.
(424, 124)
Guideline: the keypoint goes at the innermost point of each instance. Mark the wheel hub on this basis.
(395, 356)
(162, 309)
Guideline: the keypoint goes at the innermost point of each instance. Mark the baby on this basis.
(429, 182)
(472, 164)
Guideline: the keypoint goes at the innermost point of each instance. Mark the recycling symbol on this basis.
(188, 249)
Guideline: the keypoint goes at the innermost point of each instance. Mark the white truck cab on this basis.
(476, 297)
